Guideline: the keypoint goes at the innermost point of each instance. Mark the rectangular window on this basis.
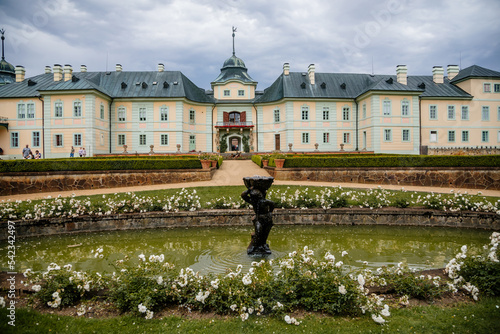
(121, 114)
(451, 112)
(31, 110)
(405, 108)
(227, 92)
(305, 113)
(241, 92)
(406, 135)
(77, 139)
(451, 136)
(487, 88)
(433, 112)
(326, 137)
(14, 139)
(164, 114)
(36, 139)
(345, 114)
(485, 114)
(192, 115)
(305, 138)
(121, 140)
(485, 136)
(142, 114)
(21, 111)
(496, 88)
(387, 135)
(58, 109)
(142, 139)
(364, 110)
(465, 136)
(465, 113)
(164, 139)
(498, 114)
(347, 138)
(433, 137)
(326, 113)
(276, 116)
(58, 140)
(77, 109)
(102, 111)
(386, 105)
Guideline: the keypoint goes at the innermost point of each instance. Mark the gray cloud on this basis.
(194, 36)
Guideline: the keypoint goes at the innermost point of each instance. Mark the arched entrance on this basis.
(234, 143)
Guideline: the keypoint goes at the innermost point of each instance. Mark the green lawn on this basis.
(481, 317)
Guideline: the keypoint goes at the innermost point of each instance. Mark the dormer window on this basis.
(241, 92)
(227, 92)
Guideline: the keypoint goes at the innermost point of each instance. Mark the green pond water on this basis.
(217, 249)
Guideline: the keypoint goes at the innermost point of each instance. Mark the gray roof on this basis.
(475, 71)
(234, 69)
(352, 85)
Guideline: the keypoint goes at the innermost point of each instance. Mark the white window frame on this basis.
(14, 139)
(465, 115)
(102, 111)
(305, 137)
(430, 136)
(58, 109)
(56, 143)
(364, 110)
(143, 139)
(77, 139)
(405, 108)
(465, 133)
(77, 108)
(21, 111)
(121, 114)
(485, 113)
(487, 87)
(326, 114)
(164, 114)
(405, 133)
(276, 115)
(142, 115)
(387, 135)
(192, 116)
(35, 139)
(346, 114)
(241, 92)
(387, 107)
(305, 113)
(451, 112)
(485, 136)
(164, 139)
(122, 139)
(346, 137)
(326, 137)
(496, 88)
(30, 112)
(498, 114)
(227, 92)
(452, 136)
(433, 112)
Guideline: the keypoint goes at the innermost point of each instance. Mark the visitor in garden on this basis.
(80, 152)
(72, 153)
(30, 156)
(84, 152)
(38, 155)
(26, 151)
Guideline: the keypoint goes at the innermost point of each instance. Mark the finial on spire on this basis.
(2, 31)
(234, 30)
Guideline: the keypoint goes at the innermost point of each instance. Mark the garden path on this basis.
(231, 173)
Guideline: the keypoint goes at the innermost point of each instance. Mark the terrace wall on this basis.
(456, 177)
(26, 183)
(218, 218)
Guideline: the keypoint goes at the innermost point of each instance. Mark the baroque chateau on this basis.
(305, 111)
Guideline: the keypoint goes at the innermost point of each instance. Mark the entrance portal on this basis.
(235, 144)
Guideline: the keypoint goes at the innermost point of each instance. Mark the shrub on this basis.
(257, 159)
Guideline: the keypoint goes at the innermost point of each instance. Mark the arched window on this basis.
(234, 117)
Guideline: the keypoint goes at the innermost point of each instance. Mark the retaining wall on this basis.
(220, 218)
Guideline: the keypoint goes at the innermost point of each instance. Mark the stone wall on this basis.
(26, 183)
(220, 218)
(463, 150)
(456, 177)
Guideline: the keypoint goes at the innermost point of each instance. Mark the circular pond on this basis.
(217, 249)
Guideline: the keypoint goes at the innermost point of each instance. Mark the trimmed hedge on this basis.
(257, 159)
(91, 164)
(393, 161)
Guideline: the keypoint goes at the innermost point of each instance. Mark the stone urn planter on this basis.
(206, 164)
(214, 163)
(279, 163)
(265, 163)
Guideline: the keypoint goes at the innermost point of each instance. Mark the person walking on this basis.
(80, 152)
(84, 152)
(26, 151)
(72, 152)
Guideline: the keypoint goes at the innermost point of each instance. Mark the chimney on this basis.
(68, 72)
(401, 73)
(438, 74)
(57, 72)
(161, 67)
(119, 67)
(48, 70)
(286, 69)
(83, 68)
(310, 71)
(20, 72)
(452, 71)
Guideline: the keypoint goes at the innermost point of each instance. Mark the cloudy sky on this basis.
(194, 36)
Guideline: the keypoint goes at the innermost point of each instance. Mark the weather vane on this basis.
(234, 30)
